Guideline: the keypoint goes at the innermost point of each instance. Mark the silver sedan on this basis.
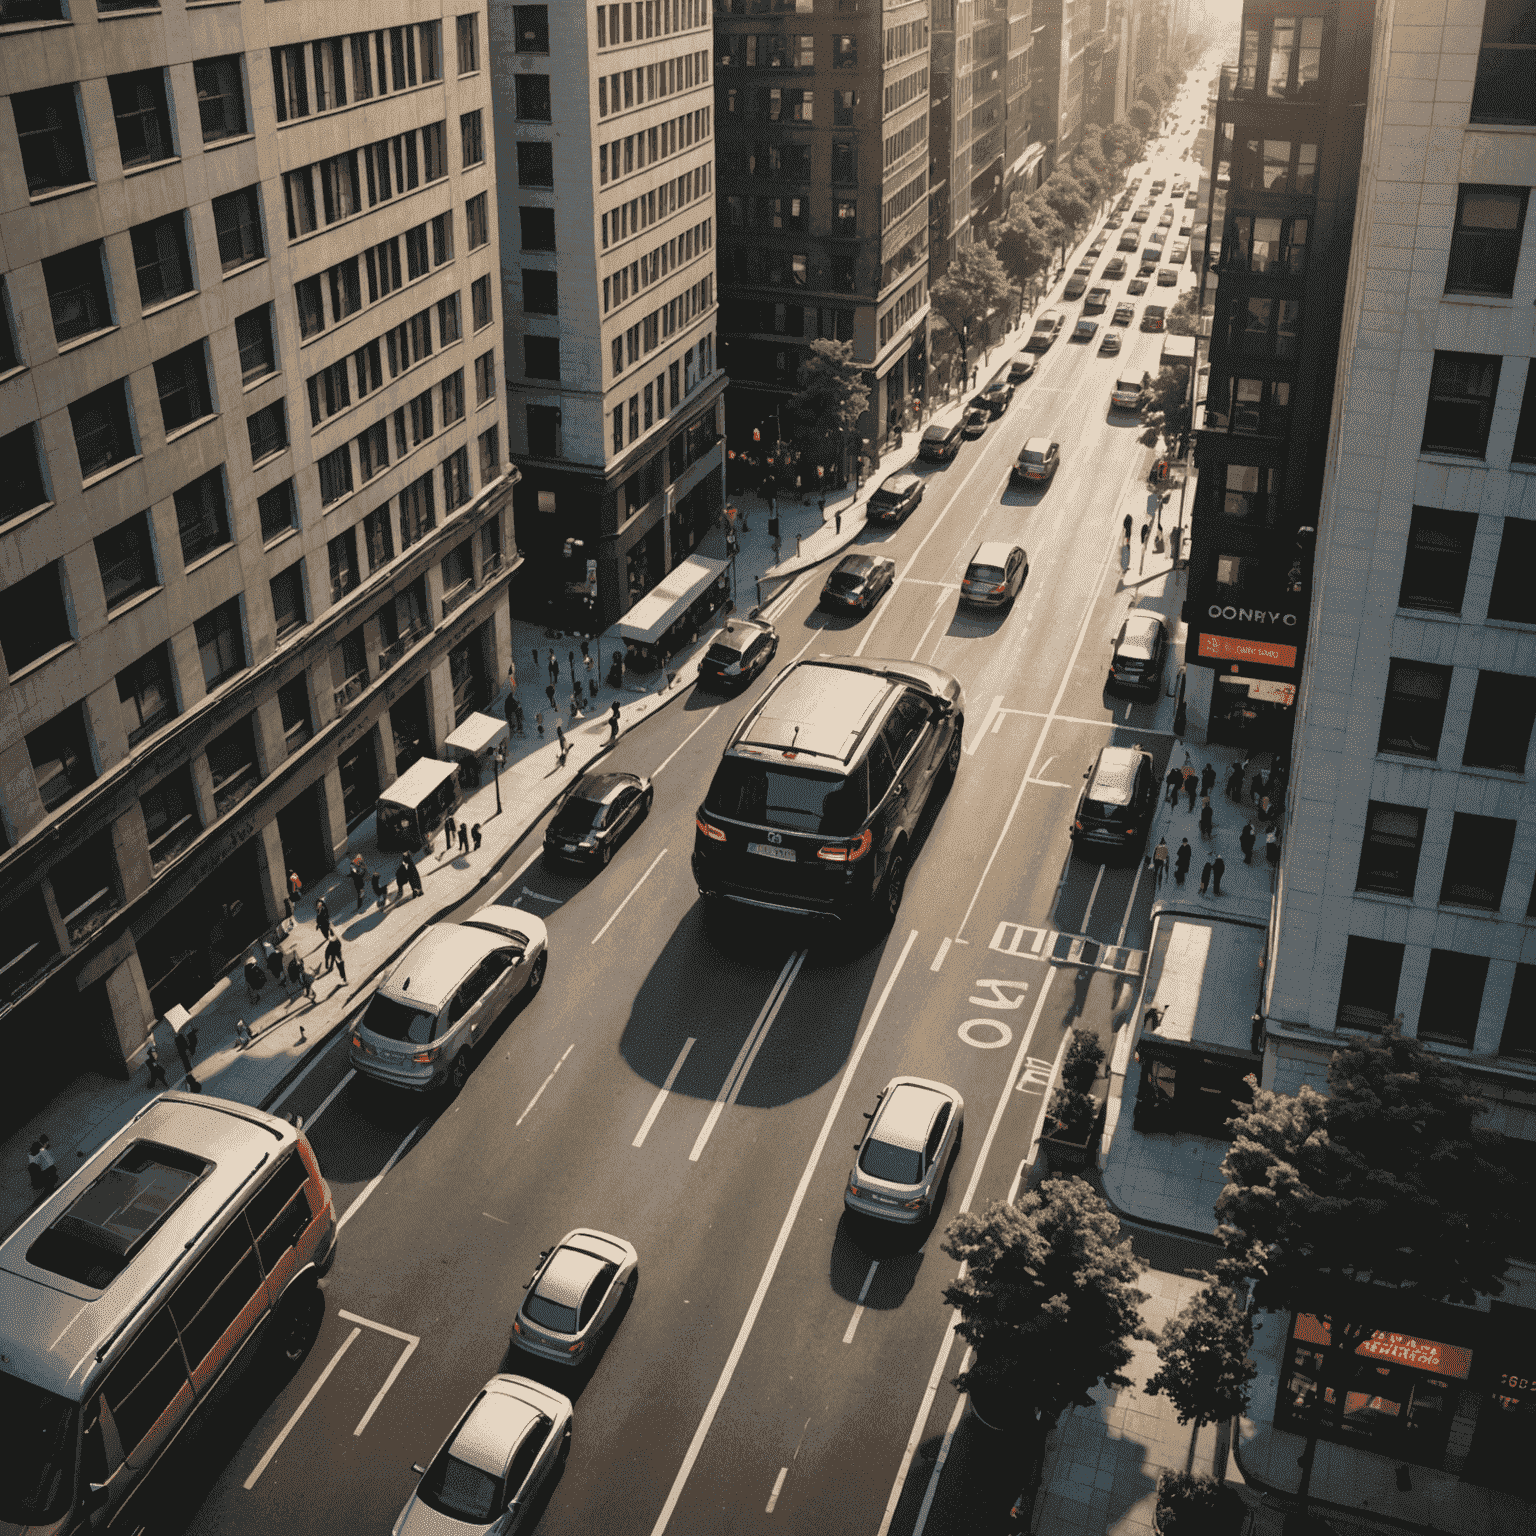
(574, 1295)
(913, 1133)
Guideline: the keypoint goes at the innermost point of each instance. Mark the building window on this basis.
(418, 511)
(287, 589)
(1414, 710)
(1502, 90)
(1461, 393)
(22, 486)
(456, 486)
(845, 216)
(85, 887)
(232, 765)
(1453, 995)
(1477, 861)
(1485, 243)
(202, 516)
(33, 618)
(335, 474)
(181, 381)
(541, 357)
(293, 709)
(125, 557)
(1268, 245)
(480, 302)
(170, 817)
(490, 455)
(146, 694)
(143, 117)
(310, 299)
(220, 643)
(845, 51)
(541, 292)
(77, 292)
(61, 757)
(1295, 50)
(535, 164)
(1389, 854)
(472, 139)
(530, 28)
(538, 228)
(237, 222)
(220, 97)
(543, 423)
(1519, 1037)
(469, 44)
(378, 539)
(103, 434)
(1503, 713)
(290, 82)
(278, 511)
(1368, 988)
(452, 393)
(477, 220)
(1438, 559)
(160, 259)
(532, 98)
(1513, 598)
(449, 328)
(253, 336)
(268, 431)
(1525, 429)
(52, 147)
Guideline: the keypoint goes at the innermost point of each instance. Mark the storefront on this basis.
(410, 726)
(359, 770)
(469, 674)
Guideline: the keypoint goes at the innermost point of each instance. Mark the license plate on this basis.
(768, 851)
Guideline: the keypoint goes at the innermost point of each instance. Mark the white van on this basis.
(139, 1290)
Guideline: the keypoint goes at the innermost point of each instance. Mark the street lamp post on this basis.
(498, 761)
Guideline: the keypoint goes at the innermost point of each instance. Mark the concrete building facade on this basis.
(605, 131)
(255, 531)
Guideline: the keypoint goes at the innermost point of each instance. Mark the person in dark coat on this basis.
(156, 1071)
(333, 957)
(255, 978)
(298, 975)
(1218, 869)
(1272, 848)
(1205, 877)
(1181, 860)
(400, 878)
(448, 830)
(357, 873)
(1245, 840)
(1235, 784)
(463, 838)
(380, 892)
(1256, 788)
(1207, 779)
(1174, 783)
(413, 875)
(323, 918)
(474, 832)
(1207, 816)
(613, 723)
(1191, 784)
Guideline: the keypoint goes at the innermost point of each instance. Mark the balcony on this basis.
(394, 651)
(90, 915)
(350, 690)
(456, 597)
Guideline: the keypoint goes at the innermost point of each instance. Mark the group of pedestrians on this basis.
(1266, 793)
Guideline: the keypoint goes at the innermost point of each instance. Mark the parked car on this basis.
(574, 1295)
(905, 1151)
(1076, 286)
(1048, 326)
(1179, 253)
(1038, 460)
(1128, 241)
(941, 443)
(1110, 344)
(599, 811)
(1186, 226)
(1136, 286)
(994, 576)
(1021, 368)
(1119, 798)
(996, 397)
(1141, 215)
(1098, 299)
(1114, 268)
(1151, 255)
(1126, 395)
(744, 647)
(857, 583)
(898, 496)
(1137, 654)
(1085, 330)
(1166, 217)
(1153, 317)
(977, 420)
(1167, 278)
(1124, 314)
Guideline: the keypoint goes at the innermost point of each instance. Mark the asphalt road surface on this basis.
(778, 1368)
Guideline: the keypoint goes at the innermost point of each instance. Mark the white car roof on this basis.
(494, 1430)
(568, 1275)
(993, 553)
(906, 1115)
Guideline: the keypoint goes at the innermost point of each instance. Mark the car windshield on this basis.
(578, 816)
(553, 1315)
(826, 804)
(723, 654)
(398, 1021)
(895, 1165)
(460, 1491)
(984, 573)
(37, 1453)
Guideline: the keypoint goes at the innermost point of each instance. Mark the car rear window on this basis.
(1033, 456)
(579, 815)
(460, 1491)
(396, 1021)
(795, 800)
(723, 654)
(550, 1314)
(846, 581)
(984, 573)
(895, 1165)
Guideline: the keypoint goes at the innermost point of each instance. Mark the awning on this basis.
(669, 600)
(1203, 980)
(478, 734)
(417, 782)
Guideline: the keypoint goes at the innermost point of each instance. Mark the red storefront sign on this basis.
(1395, 1349)
(1260, 652)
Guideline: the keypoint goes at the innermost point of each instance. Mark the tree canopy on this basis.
(1142, 117)
(831, 399)
(1068, 199)
(1025, 247)
(1121, 144)
(1205, 1370)
(1164, 406)
(1047, 1300)
(974, 284)
(1183, 316)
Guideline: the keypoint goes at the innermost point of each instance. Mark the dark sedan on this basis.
(858, 583)
(898, 495)
(1136, 659)
(977, 420)
(997, 397)
(596, 816)
(740, 652)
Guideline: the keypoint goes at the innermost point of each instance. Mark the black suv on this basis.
(1117, 804)
(812, 809)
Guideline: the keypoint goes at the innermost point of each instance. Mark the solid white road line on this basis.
(709, 715)
(542, 1086)
(330, 1099)
(1125, 922)
(938, 607)
(1093, 896)
(992, 714)
(731, 1088)
(411, 1342)
(378, 1178)
(298, 1413)
(778, 1483)
(938, 959)
(1034, 1137)
(858, 1310)
(771, 1268)
(638, 883)
(661, 1098)
(943, 1456)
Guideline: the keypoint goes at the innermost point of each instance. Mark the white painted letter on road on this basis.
(968, 1030)
(998, 1000)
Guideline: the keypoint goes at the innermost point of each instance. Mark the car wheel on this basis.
(605, 858)
(297, 1324)
(889, 901)
(956, 748)
(458, 1073)
(536, 975)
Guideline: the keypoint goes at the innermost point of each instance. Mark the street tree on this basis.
(1142, 117)
(831, 399)
(973, 286)
(1121, 145)
(1047, 1300)
(1047, 221)
(1025, 248)
(1068, 199)
(1183, 316)
(1093, 179)
(1165, 408)
(1205, 1368)
(1386, 1184)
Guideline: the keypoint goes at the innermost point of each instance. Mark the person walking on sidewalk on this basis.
(1218, 869)
(186, 1044)
(42, 1170)
(1272, 848)
(1205, 876)
(554, 668)
(323, 918)
(1159, 863)
(400, 879)
(448, 831)
(1191, 784)
(1245, 840)
(357, 873)
(380, 891)
(333, 957)
(255, 977)
(613, 723)
(275, 964)
(1181, 860)
(295, 885)
(1207, 816)
(413, 875)
(1235, 784)
(474, 832)
(1174, 782)
(299, 977)
(156, 1071)
(1207, 779)
(463, 837)
(1128, 524)
(564, 745)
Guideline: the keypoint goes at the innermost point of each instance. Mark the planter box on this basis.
(1064, 1154)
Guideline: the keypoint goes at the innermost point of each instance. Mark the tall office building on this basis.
(255, 528)
(1023, 151)
(1408, 885)
(823, 119)
(1289, 120)
(605, 169)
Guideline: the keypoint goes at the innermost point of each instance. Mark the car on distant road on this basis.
(857, 583)
(1126, 395)
(1086, 330)
(599, 811)
(940, 443)
(745, 646)
(1116, 807)
(1153, 317)
(1038, 461)
(491, 1468)
(1075, 287)
(1137, 286)
(574, 1295)
(1165, 218)
(1097, 247)
(1021, 368)
(1128, 241)
(1193, 200)
(1167, 277)
(1186, 227)
(1110, 344)
(1097, 299)
(1180, 252)
(905, 1152)
(1140, 215)
(1151, 255)
(977, 420)
(994, 576)
(1124, 314)
(1114, 268)
(996, 397)
(898, 495)
(1137, 655)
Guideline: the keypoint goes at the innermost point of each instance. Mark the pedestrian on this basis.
(1174, 540)
(275, 964)
(549, 693)
(299, 977)
(156, 1071)
(1159, 544)
(184, 1048)
(400, 878)
(463, 837)
(512, 676)
(837, 519)
(554, 666)
(1181, 860)
(380, 891)
(1205, 876)
(323, 918)
(613, 723)
(1218, 869)
(514, 713)
(413, 875)
(255, 978)
(448, 831)
(1146, 531)
(1125, 555)
(1266, 813)
(1191, 784)
(357, 872)
(1174, 781)
(1207, 816)
(586, 657)
(1272, 848)
(538, 720)
(570, 657)
(1256, 788)
(1235, 784)
(1127, 526)
(1207, 779)
(576, 702)
(1245, 840)
(1159, 863)
(474, 832)
(242, 1034)
(295, 885)
(333, 957)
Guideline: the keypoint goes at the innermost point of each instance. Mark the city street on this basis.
(776, 1365)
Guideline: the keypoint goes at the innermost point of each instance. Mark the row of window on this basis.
(1439, 559)
(900, 144)
(666, 258)
(907, 38)
(650, 82)
(766, 265)
(1477, 858)
(646, 406)
(634, 21)
(789, 161)
(1274, 165)
(794, 212)
(1291, 59)
(327, 74)
(1459, 415)
(743, 315)
(902, 199)
(636, 151)
(902, 310)
(908, 88)
(781, 50)
(50, 127)
(639, 213)
(646, 335)
(1498, 733)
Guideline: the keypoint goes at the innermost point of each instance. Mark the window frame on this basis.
(113, 400)
(203, 71)
(1374, 874)
(155, 117)
(1501, 723)
(202, 516)
(1443, 378)
(65, 139)
(1437, 560)
(1476, 240)
(171, 226)
(220, 634)
(238, 228)
(1474, 853)
(1402, 667)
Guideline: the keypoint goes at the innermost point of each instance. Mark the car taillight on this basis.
(713, 833)
(1077, 826)
(517, 1327)
(1000, 587)
(847, 853)
(1130, 831)
(426, 1057)
(912, 1205)
(577, 1347)
(359, 1044)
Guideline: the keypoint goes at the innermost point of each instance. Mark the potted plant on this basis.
(1192, 1504)
(1075, 1116)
